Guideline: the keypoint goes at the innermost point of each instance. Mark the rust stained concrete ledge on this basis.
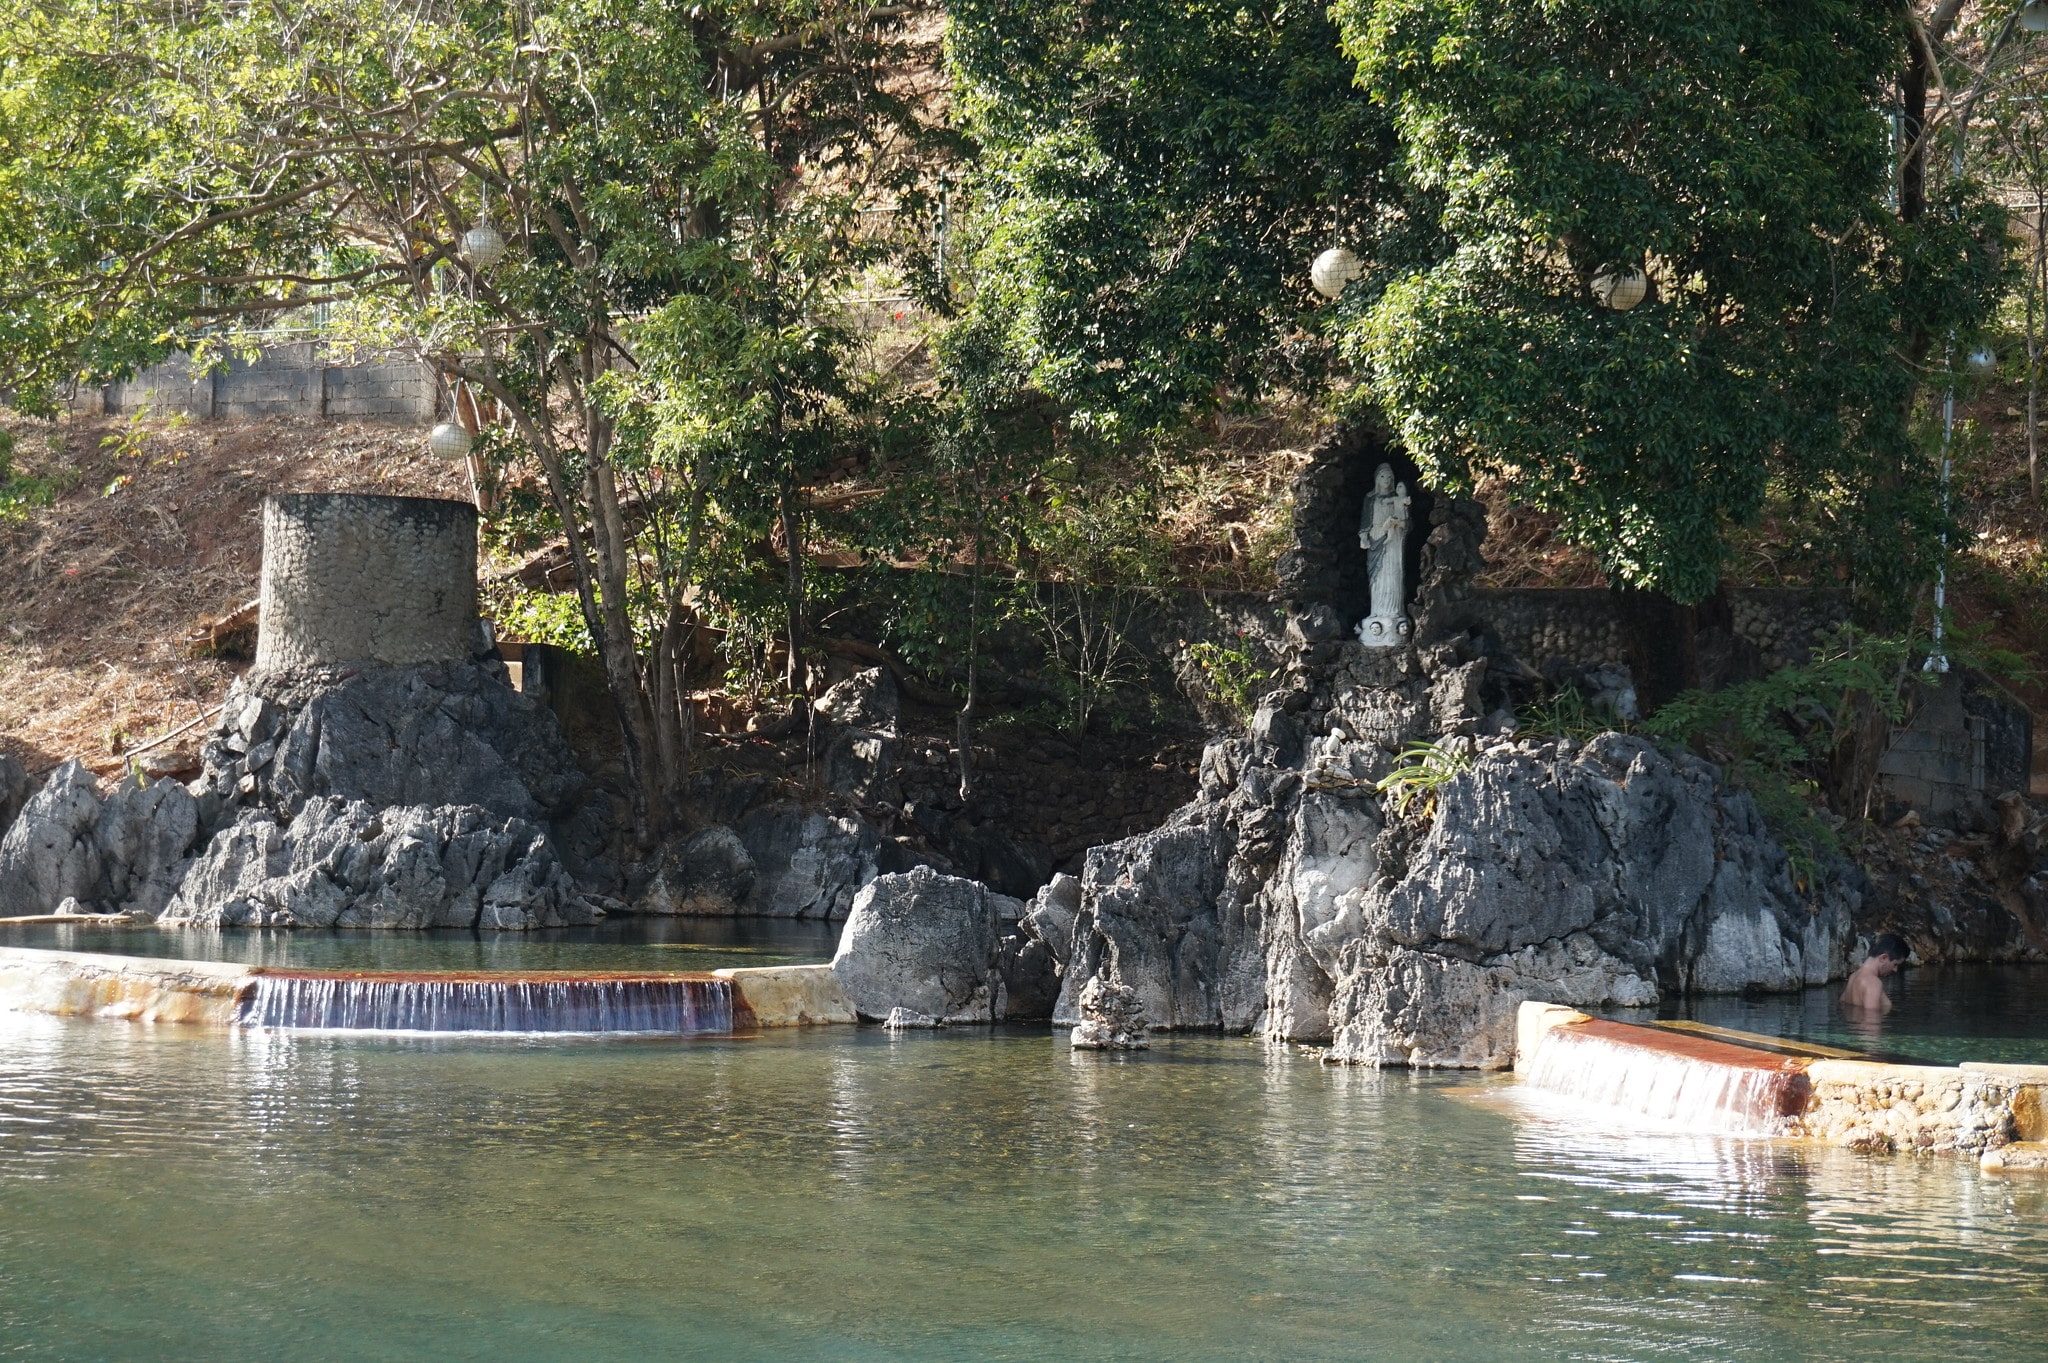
(1996, 1112)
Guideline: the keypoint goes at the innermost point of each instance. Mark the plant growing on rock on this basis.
(1420, 771)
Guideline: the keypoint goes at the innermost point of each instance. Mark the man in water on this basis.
(1864, 994)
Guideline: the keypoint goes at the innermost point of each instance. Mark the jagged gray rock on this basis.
(1296, 903)
(866, 700)
(14, 789)
(809, 864)
(707, 872)
(52, 852)
(124, 853)
(429, 796)
(349, 864)
(925, 942)
(1112, 1019)
(435, 734)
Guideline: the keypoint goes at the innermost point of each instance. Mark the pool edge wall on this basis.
(134, 988)
(1973, 1108)
(791, 995)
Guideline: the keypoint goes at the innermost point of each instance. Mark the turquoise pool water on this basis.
(1940, 1015)
(619, 944)
(971, 1194)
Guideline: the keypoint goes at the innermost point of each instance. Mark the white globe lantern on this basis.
(449, 441)
(2034, 17)
(1334, 269)
(483, 246)
(1620, 288)
(1983, 362)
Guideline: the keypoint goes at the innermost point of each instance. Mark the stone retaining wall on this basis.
(296, 378)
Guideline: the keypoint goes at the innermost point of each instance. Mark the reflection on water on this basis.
(617, 944)
(835, 1193)
(1940, 1015)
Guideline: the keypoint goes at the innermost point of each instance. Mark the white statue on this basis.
(1382, 533)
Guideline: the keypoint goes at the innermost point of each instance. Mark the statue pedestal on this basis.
(1382, 631)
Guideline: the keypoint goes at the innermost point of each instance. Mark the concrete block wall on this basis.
(296, 378)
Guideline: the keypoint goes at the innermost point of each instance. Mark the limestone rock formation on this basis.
(707, 872)
(14, 789)
(422, 796)
(810, 863)
(860, 754)
(1112, 1019)
(349, 864)
(924, 942)
(1299, 904)
(124, 853)
(437, 734)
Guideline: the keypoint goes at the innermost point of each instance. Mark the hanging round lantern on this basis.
(2034, 17)
(1620, 288)
(1333, 269)
(1983, 362)
(449, 441)
(483, 246)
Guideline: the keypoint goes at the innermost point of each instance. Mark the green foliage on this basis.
(1796, 715)
(1233, 672)
(1736, 153)
(1418, 773)
(1776, 736)
(1564, 713)
(1155, 176)
(1094, 547)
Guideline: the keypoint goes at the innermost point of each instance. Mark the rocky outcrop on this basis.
(1293, 897)
(1112, 1019)
(436, 734)
(124, 853)
(810, 862)
(709, 872)
(349, 864)
(14, 789)
(926, 943)
(405, 797)
(1301, 904)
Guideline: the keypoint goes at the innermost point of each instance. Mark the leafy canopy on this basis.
(1737, 153)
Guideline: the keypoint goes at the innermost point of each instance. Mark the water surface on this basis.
(1940, 1015)
(971, 1194)
(615, 944)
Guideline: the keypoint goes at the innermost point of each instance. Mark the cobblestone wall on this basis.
(358, 579)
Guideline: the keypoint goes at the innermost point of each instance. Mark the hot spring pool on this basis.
(837, 1193)
(619, 944)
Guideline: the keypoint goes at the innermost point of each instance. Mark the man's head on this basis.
(1889, 952)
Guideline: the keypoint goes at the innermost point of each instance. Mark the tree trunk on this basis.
(965, 737)
(616, 644)
(2035, 290)
(1661, 638)
(793, 553)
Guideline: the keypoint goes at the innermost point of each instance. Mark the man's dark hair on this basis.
(1892, 945)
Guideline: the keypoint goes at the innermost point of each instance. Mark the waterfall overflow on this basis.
(676, 1005)
(1670, 1079)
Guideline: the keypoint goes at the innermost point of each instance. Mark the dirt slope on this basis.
(154, 526)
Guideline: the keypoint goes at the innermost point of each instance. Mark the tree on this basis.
(670, 176)
(1154, 177)
(1735, 153)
